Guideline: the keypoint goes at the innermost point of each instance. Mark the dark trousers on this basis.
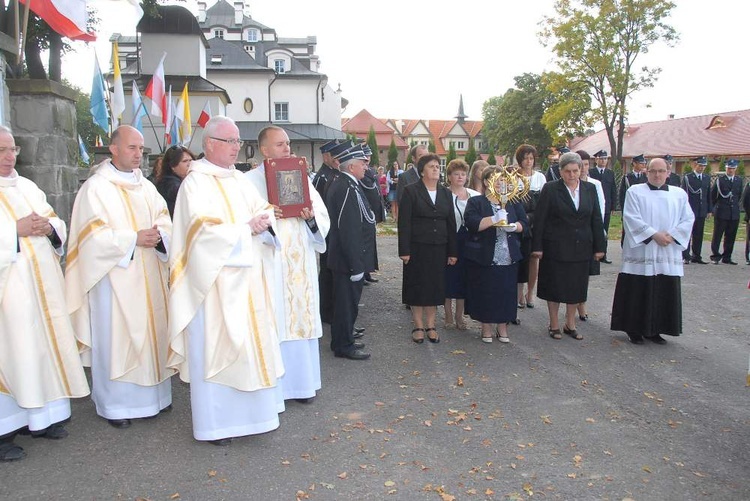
(607, 217)
(747, 241)
(726, 229)
(696, 240)
(325, 286)
(345, 311)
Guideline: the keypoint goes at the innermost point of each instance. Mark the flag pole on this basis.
(148, 115)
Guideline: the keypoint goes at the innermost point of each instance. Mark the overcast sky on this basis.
(413, 58)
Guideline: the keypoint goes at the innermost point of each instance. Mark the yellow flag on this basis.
(183, 115)
(118, 95)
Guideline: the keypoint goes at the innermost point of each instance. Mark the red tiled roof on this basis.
(362, 121)
(682, 137)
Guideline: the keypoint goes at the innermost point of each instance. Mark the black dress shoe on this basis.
(729, 262)
(11, 452)
(365, 282)
(358, 346)
(605, 260)
(353, 355)
(359, 330)
(357, 335)
(636, 338)
(222, 442)
(53, 432)
(304, 400)
(658, 339)
(119, 423)
(698, 261)
(370, 279)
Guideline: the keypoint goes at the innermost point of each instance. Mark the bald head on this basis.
(126, 148)
(657, 172)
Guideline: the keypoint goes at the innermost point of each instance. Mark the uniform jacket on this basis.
(698, 192)
(629, 180)
(351, 239)
(609, 186)
(419, 220)
(480, 245)
(674, 179)
(322, 179)
(553, 173)
(371, 189)
(725, 196)
(564, 233)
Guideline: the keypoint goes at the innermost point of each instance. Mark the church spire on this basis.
(461, 117)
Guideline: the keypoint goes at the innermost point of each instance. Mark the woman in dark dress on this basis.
(426, 243)
(568, 231)
(492, 255)
(169, 172)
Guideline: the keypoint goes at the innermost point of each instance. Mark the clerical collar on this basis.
(663, 187)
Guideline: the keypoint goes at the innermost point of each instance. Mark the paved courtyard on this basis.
(536, 419)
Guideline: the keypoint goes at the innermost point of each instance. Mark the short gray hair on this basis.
(212, 125)
(6, 129)
(569, 158)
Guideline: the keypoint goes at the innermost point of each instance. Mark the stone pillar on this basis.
(43, 119)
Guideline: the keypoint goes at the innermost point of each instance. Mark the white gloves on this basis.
(500, 215)
(511, 228)
(357, 277)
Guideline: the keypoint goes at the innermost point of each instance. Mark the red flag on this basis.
(67, 17)
(205, 115)
(156, 92)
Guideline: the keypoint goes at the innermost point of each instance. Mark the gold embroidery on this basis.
(45, 309)
(178, 268)
(90, 228)
(226, 200)
(258, 345)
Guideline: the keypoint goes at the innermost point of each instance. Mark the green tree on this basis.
(372, 142)
(598, 44)
(741, 169)
(409, 158)
(392, 153)
(451, 153)
(431, 146)
(471, 153)
(491, 159)
(516, 117)
(569, 112)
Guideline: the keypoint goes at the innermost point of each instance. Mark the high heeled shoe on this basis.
(500, 337)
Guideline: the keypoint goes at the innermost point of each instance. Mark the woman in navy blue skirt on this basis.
(492, 254)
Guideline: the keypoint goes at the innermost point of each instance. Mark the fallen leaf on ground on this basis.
(389, 483)
(590, 420)
(546, 419)
(458, 352)
(647, 469)
(212, 473)
(528, 489)
(460, 381)
(342, 475)
(286, 462)
(379, 404)
(428, 423)
(572, 475)
(176, 495)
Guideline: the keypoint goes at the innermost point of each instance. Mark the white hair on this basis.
(214, 124)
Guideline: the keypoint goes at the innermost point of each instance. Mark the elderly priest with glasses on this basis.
(657, 221)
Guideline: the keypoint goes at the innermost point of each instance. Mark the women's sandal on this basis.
(529, 304)
(500, 337)
(449, 325)
(418, 340)
(572, 333)
(521, 306)
(583, 318)
(461, 325)
(555, 334)
(435, 339)
(486, 339)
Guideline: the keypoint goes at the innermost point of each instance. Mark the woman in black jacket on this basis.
(426, 243)
(492, 255)
(568, 231)
(169, 172)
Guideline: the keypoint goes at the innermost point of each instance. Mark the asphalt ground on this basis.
(534, 419)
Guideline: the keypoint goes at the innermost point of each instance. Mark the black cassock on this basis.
(351, 251)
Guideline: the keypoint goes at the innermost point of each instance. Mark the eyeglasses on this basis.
(657, 171)
(233, 142)
(12, 149)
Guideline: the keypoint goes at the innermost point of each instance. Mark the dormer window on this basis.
(251, 35)
(278, 65)
(216, 59)
(218, 33)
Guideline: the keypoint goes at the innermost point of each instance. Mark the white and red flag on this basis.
(156, 91)
(205, 115)
(67, 17)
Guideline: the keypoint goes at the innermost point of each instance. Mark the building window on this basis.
(460, 145)
(218, 33)
(451, 144)
(424, 143)
(278, 65)
(281, 112)
(248, 105)
(252, 35)
(442, 164)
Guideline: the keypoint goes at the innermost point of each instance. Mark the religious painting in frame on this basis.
(286, 179)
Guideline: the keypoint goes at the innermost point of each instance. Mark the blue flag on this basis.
(139, 109)
(99, 110)
(82, 150)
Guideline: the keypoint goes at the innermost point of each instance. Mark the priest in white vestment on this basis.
(295, 286)
(222, 327)
(657, 222)
(116, 284)
(40, 369)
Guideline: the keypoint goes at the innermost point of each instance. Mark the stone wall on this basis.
(43, 119)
